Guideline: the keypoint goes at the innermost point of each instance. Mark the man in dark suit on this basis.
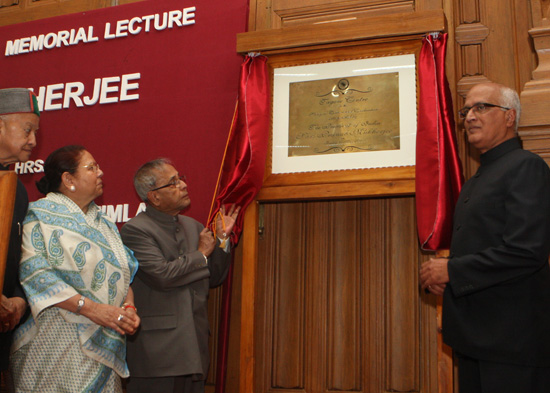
(179, 261)
(496, 281)
(19, 121)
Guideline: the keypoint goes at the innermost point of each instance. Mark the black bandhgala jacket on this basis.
(496, 306)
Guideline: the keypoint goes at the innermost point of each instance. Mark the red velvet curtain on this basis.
(439, 175)
(242, 173)
(243, 165)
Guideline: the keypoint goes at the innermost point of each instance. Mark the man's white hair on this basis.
(510, 99)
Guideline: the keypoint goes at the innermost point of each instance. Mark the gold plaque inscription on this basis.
(344, 115)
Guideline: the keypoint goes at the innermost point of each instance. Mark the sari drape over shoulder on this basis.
(68, 253)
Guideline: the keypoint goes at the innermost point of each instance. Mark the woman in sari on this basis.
(76, 273)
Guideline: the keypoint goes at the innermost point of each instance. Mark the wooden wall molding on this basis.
(540, 11)
(336, 11)
(537, 139)
(8, 3)
(469, 11)
(473, 33)
(535, 117)
(28, 10)
(394, 25)
(482, 39)
(18, 11)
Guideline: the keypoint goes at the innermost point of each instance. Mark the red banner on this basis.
(132, 83)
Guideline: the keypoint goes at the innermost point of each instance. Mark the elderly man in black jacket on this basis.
(496, 282)
(19, 121)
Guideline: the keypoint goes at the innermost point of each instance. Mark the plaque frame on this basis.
(403, 65)
(340, 183)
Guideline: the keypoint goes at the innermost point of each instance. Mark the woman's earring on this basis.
(72, 188)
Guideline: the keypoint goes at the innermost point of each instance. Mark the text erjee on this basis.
(107, 90)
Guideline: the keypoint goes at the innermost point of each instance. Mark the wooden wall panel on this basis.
(344, 297)
(340, 310)
(316, 259)
(17, 11)
(489, 46)
(279, 336)
(535, 118)
(433, 353)
(27, 10)
(274, 14)
(469, 11)
(402, 339)
(289, 300)
(286, 13)
(373, 224)
(8, 3)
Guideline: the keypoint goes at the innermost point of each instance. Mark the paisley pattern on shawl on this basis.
(65, 253)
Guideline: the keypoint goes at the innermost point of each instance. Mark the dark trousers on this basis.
(479, 376)
(179, 384)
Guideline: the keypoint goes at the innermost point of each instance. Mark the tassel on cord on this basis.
(223, 241)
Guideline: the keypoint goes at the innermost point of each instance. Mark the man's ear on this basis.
(511, 118)
(153, 198)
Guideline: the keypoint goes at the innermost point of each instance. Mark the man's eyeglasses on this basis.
(173, 183)
(92, 167)
(480, 107)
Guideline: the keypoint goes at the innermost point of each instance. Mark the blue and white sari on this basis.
(67, 253)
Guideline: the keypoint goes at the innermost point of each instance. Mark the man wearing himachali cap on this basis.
(19, 120)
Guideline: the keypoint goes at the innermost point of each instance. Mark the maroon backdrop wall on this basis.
(166, 73)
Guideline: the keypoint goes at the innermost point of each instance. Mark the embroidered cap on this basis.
(18, 100)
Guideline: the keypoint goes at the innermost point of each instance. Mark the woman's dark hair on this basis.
(64, 159)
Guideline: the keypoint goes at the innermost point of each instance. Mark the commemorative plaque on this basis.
(344, 115)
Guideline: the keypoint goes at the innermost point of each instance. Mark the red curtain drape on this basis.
(439, 175)
(243, 165)
(242, 173)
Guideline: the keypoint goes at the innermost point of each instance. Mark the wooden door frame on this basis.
(354, 184)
